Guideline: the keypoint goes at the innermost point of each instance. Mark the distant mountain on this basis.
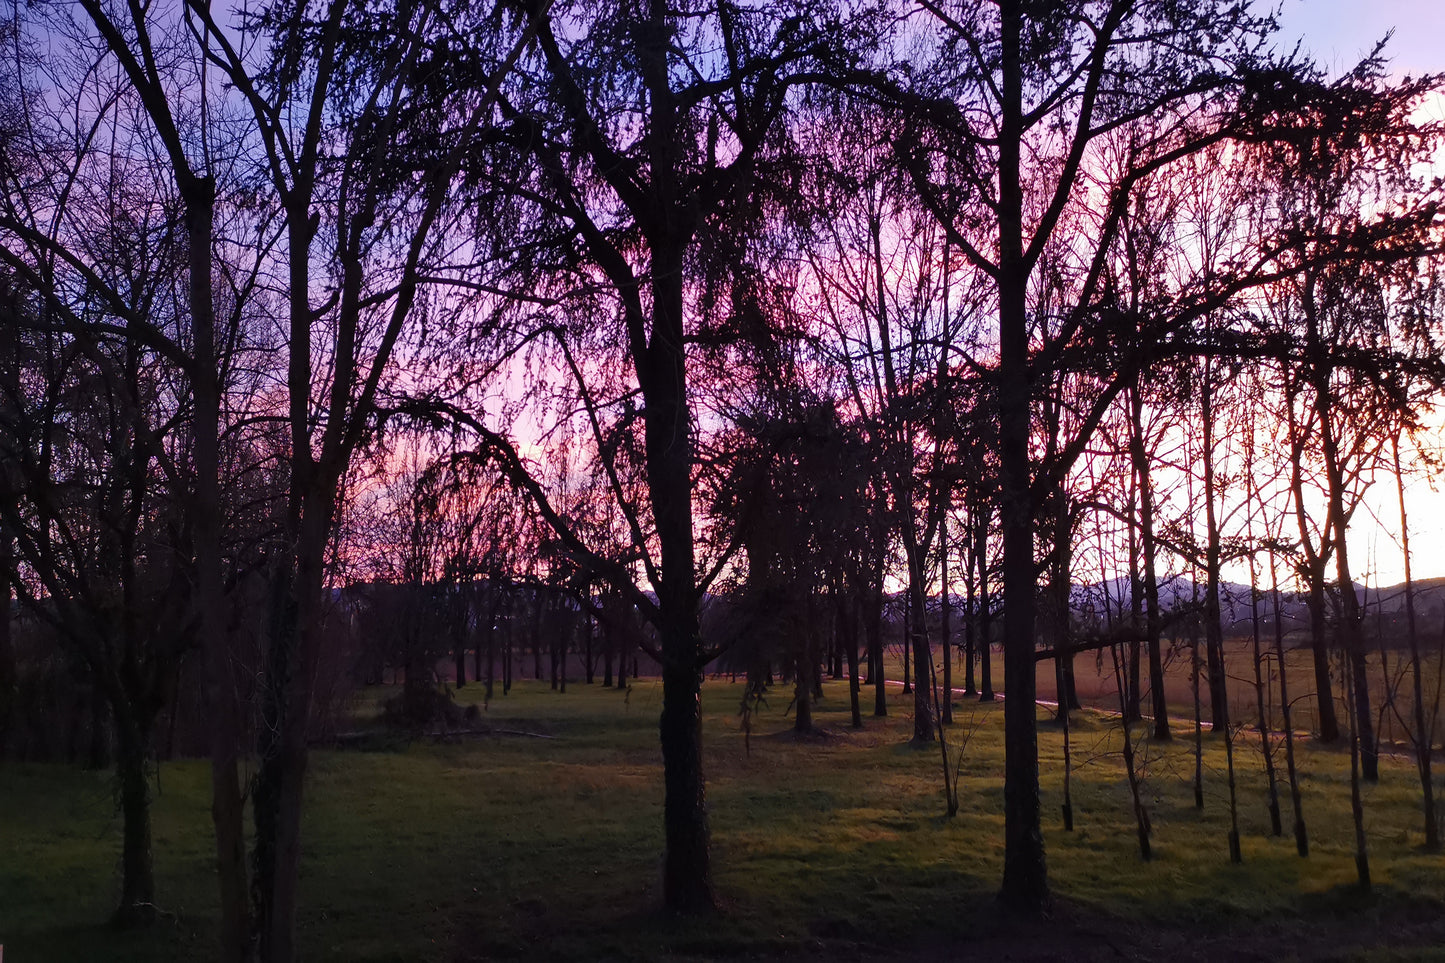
(1089, 602)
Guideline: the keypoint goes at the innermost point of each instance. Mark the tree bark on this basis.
(848, 635)
(1025, 876)
(137, 894)
(985, 614)
(918, 640)
(1213, 632)
(1314, 571)
(945, 629)
(1351, 636)
(1301, 834)
(9, 395)
(1160, 705)
(227, 801)
(1423, 736)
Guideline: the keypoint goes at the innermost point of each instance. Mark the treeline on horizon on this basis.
(640, 305)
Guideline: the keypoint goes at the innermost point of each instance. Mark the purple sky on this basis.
(1339, 31)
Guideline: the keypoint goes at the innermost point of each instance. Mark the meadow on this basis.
(539, 835)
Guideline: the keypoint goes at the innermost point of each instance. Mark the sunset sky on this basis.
(1340, 31)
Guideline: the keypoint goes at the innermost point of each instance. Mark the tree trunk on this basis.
(609, 644)
(970, 622)
(1133, 703)
(1059, 584)
(1314, 571)
(1131, 770)
(9, 388)
(1160, 705)
(1195, 663)
(137, 888)
(1351, 636)
(1357, 803)
(985, 615)
(907, 644)
(873, 624)
(589, 664)
(805, 670)
(1262, 726)
(945, 630)
(286, 712)
(536, 633)
(662, 375)
(1301, 834)
(507, 609)
(1213, 632)
(1025, 875)
(848, 636)
(918, 641)
(1423, 736)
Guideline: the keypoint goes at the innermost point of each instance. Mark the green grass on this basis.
(509, 846)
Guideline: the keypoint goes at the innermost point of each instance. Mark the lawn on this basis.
(547, 845)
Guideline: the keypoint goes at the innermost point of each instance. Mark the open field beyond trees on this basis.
(1390, 688)
(496, 844)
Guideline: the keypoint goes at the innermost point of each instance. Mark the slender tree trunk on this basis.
(1160, 704)
(489, 633)
(1059, 587)
(985, 615)
(918, 639)
(970, 621)
(1195, 664)
(509, 611)
(1068, 806)
(1357, 803)
(554, 644)
(589, 663)
(1236, 854)
(907, 644)
(561, 646)
(848, 620)
(1262, 726)
(1423, 737)
(507, 638)
(609, 643)
(873, 625)
(1133, 703)
(1301, 834)
(481, 635)
(1213, 631)
(536, 633)
(1131, 769)
(945, 629)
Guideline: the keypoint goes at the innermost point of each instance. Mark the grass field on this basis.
(1390, 684)
(513, 846)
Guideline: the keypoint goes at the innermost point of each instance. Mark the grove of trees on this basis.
(724, 336)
